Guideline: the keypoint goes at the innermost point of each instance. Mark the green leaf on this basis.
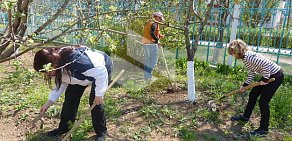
(113, 7)
(47, 67)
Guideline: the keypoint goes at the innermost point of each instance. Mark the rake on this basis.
(168, 73)
(212, 103)
(35, 120)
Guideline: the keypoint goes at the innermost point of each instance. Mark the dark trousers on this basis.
(70, 107)
(73, 95)
(266, 92)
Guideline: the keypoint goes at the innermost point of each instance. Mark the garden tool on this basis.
(89, 110)
(212, 103)
(168, 73)
(35, 120)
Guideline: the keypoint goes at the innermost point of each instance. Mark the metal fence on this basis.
(266, 31)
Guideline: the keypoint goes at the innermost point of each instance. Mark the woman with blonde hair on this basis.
(257, 64)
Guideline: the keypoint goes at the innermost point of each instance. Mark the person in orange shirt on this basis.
(150, 40)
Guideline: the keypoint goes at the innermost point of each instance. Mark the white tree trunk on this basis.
(234, 26)
(191, 81)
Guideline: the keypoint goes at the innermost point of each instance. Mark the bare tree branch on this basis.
(171, 26)
(194, 12)
(201, 27)
(21, 22)
(55, 16)
(25, 4)
(190, 53)
(10, 21)
(6, 56)
(17, 19)
(29, 49)
(8, 36)
(13, 57)
(191, 50)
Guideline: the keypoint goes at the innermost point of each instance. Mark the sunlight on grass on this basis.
(25, 90)
(287, 138)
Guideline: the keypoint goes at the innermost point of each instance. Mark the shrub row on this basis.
(267, 37)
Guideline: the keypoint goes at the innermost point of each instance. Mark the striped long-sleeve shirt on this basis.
(258, 64)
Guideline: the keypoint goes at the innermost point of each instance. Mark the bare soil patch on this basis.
(9, 132)
(12, 128)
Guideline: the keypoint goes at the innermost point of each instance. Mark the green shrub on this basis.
(250, 36)
(281, 106)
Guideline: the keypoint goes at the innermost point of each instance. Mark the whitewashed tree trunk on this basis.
(191, 49)
(191, 81)
(234, 26)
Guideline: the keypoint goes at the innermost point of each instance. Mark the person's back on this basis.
(75, 68)
(147, 38)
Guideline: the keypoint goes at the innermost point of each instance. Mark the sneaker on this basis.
(239, 118)
(101, 138)
(57, 132)
(259, 131)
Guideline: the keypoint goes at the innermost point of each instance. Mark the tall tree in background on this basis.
(56, 18)
(14, 36)
(14, 33)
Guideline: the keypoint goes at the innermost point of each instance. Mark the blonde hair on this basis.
(237, 47)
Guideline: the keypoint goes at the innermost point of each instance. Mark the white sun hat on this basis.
(158, 14)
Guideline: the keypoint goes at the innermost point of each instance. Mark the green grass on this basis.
(187, 135)
(24, 90)
(287, 138)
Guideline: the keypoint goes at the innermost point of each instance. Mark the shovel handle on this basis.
(89, 110)
(246, 88)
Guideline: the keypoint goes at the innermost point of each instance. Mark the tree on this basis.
(255, 18)
(191, 49)
(74, 17)
(86, 17)
(13, 37)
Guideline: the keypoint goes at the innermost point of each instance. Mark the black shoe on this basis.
(57, 132)
(259, 131)
(239, 118)
(101, 138)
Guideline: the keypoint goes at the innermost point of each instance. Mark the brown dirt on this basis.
(9, 132)
(12, 129)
